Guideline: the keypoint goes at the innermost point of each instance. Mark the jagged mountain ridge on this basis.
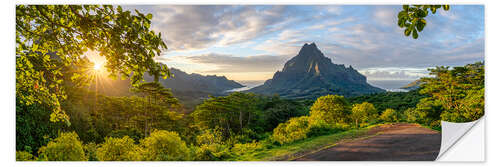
(311, 74)
(190, 89)
(183, 81)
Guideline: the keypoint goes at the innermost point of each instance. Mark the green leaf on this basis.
(149, 16)
(446, 7)
(420, 24)
(415, 35)
(401, 23)
(402, 14)
(407, 32)
(405, 7)
(34, 47)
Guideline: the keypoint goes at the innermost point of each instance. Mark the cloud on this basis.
(331, 23)
(394, 73)
(233, 64)
(187, 27)
(259, 39)
(386, 16)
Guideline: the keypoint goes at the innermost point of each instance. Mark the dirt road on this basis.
(397, 142)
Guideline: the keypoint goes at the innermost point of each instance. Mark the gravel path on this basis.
(396, 142)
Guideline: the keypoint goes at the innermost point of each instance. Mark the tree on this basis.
(276, 111)
(33, 128)
(331, 108)
(164, 146)
(118, 149)
(459, 91)
(66, 147)
(363, 112)
(50, 37)
(231, 113)
(389, 115)
(398, 101)
(159, 101)
(412, 17)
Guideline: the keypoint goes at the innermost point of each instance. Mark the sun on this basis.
(97, 60)
(97, 66)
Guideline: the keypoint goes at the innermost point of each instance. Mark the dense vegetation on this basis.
(149, 125)
(59, 118)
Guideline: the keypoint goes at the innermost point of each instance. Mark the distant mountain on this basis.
(190, 89)
(413, 85)
(310, 75)
(182, 81)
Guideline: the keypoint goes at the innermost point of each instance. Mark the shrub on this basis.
(414, 115)
(436, 125)
(24, 156)
(319, 129)
(210, 136)
(292, 130)
(133, 133)
(331, 108)
(90, 151)
(118, 149)
(66, 147)
(164, 145)
(240, 149)
(389, 115)
(212, 152)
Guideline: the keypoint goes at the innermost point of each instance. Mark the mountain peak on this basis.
(310, 58)
(309, 45)
(310, 49)
(311, 74)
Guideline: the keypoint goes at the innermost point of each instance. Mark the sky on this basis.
(253, 42)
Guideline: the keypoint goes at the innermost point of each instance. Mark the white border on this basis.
(8, 82)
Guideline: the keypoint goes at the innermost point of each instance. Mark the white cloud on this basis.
(230, 63)
(394, 73)
(187, 27)
(386, 16)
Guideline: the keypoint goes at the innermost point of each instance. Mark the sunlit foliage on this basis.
(119, 149)
(331, 108)
(459, 91)
(51, 37)
(389, 115)
(293, 130)
(364, 112)
(163, 145)
(66, 147)
(24, 156)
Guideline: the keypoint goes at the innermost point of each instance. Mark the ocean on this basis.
(389, 85)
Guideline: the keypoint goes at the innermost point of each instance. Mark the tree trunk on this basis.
(241, 120)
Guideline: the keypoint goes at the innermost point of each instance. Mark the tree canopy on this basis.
(49, 37)
(331, 108)
(459, 91)
(363, 112)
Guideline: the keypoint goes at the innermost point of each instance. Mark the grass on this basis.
(300, 148)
